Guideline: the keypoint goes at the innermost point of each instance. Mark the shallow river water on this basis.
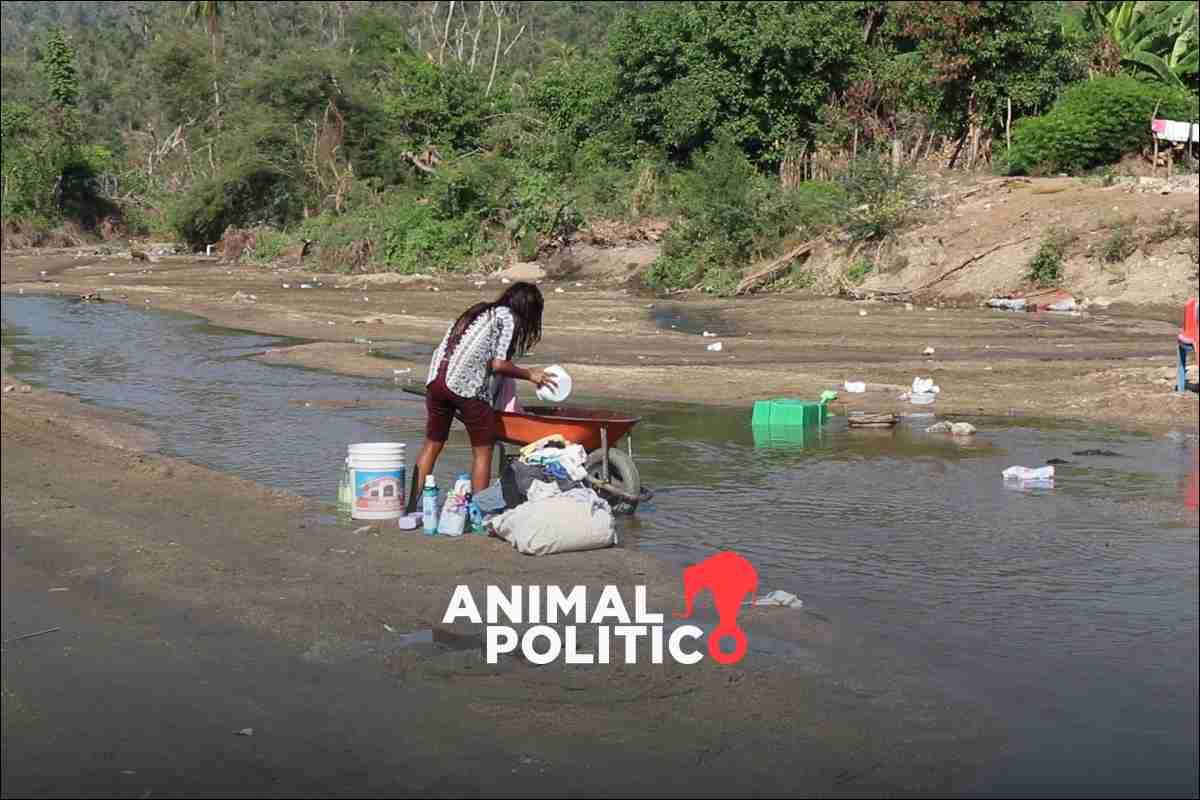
(1069, 613)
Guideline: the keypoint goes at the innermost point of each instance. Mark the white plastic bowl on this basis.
(562, 387)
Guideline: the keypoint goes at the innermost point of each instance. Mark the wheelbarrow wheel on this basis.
(623, 475)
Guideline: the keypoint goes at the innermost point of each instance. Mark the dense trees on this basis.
(413, 135)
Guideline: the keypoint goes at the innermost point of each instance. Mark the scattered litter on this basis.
(928, 351)
(862, 312)
(388, 628)
(360, 339)
(1066, 304)
(855, 387)
(31, 635)
(366, 299)
(332, 322)
(1007, 303)
(479, 284)
(939, 427)
(560, 290)
(244, 732)
(779, 598)
(363, 529)
(26, 388)
(908, 307)
(1029, 474)
(708, 334)
(407, 371)
(648, 305)
(112, 274)
(577, 284)
(10, 387)
(287, 286)
(306, 286)
(962, 429)
(715, 347)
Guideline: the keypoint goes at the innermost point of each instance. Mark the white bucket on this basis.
(377, 477)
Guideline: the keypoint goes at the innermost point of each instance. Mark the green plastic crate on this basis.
(784, 411)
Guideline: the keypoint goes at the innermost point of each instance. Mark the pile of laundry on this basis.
(542, 503)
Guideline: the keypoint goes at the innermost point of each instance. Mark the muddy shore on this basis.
(1094, 366)
(185, 616)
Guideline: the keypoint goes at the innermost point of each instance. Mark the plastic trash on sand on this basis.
(1007, 303)
(715, 347)
(779, 598)
(855, 387)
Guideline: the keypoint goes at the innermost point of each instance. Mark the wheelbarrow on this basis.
(611, 471)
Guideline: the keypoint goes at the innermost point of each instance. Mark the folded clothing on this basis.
(519, 476)
(572, 459)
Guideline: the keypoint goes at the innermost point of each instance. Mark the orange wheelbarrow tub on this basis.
(611, 471)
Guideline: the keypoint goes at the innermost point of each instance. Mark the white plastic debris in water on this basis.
(779, 598)
(862, 312)
(925, 386)
(716, 347)
(928, 351)
(1026, 474)
(855, 387)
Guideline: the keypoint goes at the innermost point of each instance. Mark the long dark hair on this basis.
(525, 302)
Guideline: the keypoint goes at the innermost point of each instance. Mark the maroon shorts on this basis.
(440, 405)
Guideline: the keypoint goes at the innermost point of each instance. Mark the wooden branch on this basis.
(771, 270)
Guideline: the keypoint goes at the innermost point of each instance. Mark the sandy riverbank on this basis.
(1095, 366)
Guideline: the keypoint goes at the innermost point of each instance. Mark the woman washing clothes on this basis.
(469, 369)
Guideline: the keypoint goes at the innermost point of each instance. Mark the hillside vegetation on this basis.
(426, 136)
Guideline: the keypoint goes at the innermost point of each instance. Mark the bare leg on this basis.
(481, 467)
(427, 460)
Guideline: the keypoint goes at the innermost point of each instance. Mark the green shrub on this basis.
(859, 270)
(1045, 268)
(1094, 123)
(247, 194)
(1119, 245)
(879, 198)
(268, 245)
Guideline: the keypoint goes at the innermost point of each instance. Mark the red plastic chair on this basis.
(1187, 340)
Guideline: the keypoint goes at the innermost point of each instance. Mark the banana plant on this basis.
(1159, 37)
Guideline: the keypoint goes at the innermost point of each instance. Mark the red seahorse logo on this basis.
(730, 578)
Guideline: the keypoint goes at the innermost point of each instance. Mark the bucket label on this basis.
(379, 490)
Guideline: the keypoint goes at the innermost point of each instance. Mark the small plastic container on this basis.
(562, 386)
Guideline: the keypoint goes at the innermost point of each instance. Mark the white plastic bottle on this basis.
(429, 506)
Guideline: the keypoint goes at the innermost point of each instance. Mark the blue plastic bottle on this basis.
(429, 506)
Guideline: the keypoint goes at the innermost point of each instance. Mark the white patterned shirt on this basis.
(488, 337)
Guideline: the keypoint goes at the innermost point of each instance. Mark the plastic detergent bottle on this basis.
(429, 505)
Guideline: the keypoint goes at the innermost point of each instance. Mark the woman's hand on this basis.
(540, 378)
